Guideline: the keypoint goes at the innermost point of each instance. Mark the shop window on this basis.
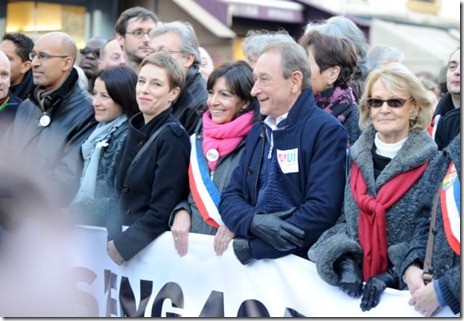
(425, 6)
(36, 18)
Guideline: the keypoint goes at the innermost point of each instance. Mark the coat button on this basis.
(141, 142)
(128, 212)
(125, 189)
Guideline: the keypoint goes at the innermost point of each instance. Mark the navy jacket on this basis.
(316, 190)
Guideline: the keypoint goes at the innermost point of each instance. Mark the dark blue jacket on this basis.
(7, 114)
(316, 190)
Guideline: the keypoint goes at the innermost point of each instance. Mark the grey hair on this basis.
(256, 40)
(293, 58)
(381, 54)
(188, 39)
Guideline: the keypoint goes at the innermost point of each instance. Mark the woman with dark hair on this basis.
(333, 62)
(216, 147)
(114, 103)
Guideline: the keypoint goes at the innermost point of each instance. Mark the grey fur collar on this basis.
(417, 149)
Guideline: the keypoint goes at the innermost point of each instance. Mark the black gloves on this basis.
(349, 275)
(375, 286)
(242, 250)
(272, 228)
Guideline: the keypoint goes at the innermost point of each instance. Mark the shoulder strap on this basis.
(150, 140)
(427, 275)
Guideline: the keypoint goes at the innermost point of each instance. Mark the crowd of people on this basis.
(317, 146)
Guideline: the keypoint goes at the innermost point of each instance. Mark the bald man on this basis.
(111, 54)
(49, 128)
(8, 102)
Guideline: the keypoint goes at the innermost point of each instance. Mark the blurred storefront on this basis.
(221, 25)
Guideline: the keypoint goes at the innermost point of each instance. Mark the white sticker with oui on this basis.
(288, 160)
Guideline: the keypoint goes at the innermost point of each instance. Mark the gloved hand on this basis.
(349, 276)
(242, 250)
(375, 286)
(272, 228)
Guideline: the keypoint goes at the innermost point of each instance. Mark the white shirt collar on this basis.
(272, 123)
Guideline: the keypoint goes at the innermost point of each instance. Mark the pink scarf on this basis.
(224, 138)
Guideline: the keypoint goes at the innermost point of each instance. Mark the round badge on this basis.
(212, 155)
(44, 120)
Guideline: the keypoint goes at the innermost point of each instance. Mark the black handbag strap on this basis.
(427, 275)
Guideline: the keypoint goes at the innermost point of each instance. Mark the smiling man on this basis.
(288, 187)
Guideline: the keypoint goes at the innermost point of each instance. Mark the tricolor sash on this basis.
(451, 208)
(433, 126)
(204, 192)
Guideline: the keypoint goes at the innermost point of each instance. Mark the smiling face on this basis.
(153, 93)
(106, 109)
(392, 124)
(222, 103)
(271, 88)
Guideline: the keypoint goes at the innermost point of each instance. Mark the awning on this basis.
(205, 18)
(269, 10)
(424, 48)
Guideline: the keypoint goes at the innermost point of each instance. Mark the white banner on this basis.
(157, 282)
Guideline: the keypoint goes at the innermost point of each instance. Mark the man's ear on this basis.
(25, 66)
(297, 80)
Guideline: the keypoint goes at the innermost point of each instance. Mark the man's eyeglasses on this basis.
(393, 102)
(43, 56)
(94, 51)
(139, 33)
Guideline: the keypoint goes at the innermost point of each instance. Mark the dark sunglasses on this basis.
(393, 102)
(87, 50)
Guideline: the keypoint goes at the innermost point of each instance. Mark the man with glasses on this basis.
(132, 29)
(179, 40)
(89, 58)
(44, 140)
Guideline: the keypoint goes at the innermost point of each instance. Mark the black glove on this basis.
(242, 250)
(375, 286)
(272, 228)
(349, 276)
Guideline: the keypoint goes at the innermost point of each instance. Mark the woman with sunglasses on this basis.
(386, 193)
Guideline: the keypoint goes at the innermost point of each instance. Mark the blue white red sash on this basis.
(433, 126)
(451, 207)
(204, 192)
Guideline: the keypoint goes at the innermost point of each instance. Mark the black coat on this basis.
(154, 185)
(50, 156)
(191, 103)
